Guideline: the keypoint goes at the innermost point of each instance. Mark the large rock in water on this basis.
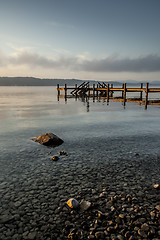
(48, 139)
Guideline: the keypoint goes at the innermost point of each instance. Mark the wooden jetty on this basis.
(106, 90)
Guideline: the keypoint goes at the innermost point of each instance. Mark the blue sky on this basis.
(87, 39)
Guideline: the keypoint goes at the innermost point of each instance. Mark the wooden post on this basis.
(58, 92)
(141, 93)
(122, 89)
(76, 91)
(107, 92)
(97, 90)
(112, 91)
(93, 92)
(65, 92)
(88, 90)
(146, 98)
(124, 94)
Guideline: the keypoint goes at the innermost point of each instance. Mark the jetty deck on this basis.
(106, 90)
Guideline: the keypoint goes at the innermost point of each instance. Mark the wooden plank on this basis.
(154, 90)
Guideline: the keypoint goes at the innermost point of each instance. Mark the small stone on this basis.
(121, 216)
(55, 158)
(17, 204)
(103, 194)
(72, 203)
(6, 218)
(127, 234)
(91, 237)
(158, 207)
(110, 229)
(145, 227)
(142, 233)
(118, 220)
(156, 186)
(31, 235)
(85, 205)
(62, 153)
(99, 235)
(101, 215)
(120, 237)
(113, 209)
(152, 215)
(136, 154)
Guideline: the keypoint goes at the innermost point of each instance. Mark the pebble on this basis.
(84, 205)
(55, 158)
(145, 227)
(158, 207)
(62, 153)
(32, 235)
(99, 235)
(73, 203)
(156, 186)
(17, 204)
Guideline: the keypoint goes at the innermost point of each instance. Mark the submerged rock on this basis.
(48, 139)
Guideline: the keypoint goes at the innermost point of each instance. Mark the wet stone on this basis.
(55, 158)
(142, 233)
(32, 235)
(99, 235)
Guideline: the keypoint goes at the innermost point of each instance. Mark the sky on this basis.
(82, 39)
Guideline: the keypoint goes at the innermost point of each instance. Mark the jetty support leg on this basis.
(76, 91)
(65, 92)
(88, 90)
(146, 98)
(97, 90)
(93, 92)
(124, 94)
(107, 92)
(141, 93)
(58, 92)
(111, 91)
(122, 89)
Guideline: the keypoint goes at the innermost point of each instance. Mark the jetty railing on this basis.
(107, 90)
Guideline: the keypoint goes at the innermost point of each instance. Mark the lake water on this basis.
(95, 134)
(30, 111)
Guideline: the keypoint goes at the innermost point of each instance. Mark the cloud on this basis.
(36, 60)
(149, 63)
(3, 59)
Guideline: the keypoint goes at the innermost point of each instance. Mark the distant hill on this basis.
(31, 81)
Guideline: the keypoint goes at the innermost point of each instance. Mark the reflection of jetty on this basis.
(105, 90)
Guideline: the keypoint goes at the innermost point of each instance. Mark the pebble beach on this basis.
(124, 202)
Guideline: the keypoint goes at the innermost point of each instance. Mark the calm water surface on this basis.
(95, 130)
